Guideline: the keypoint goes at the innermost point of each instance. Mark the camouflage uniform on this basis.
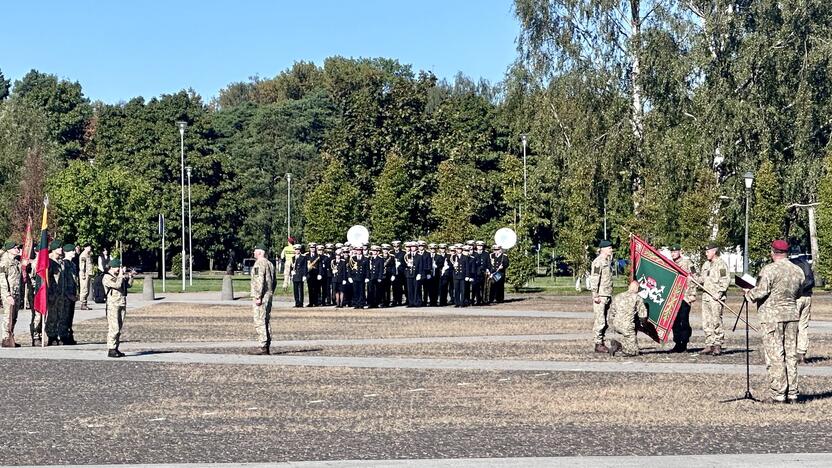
(85, 271)
(65, 333)
(262, 287)
(36, 322)
(776, 293)
(600, 281)
(714, 279)
(116, 290)
(626, 308)
(10, 286)
(54, 297)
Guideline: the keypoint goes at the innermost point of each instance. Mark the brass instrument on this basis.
(313, 264)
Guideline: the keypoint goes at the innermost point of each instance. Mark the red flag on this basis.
(42, 267)
(27, 250)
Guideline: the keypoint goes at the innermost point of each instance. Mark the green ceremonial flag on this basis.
(662, 285)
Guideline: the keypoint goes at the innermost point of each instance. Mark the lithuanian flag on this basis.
(42, 267)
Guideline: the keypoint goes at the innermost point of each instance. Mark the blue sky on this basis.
(119, 49)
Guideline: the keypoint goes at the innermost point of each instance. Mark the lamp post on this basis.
(181, 124)
(190, 233)
(288, 205)
(525, 188)
(749, 181)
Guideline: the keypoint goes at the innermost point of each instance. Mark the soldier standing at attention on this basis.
(326, 285)
(359, 277)
(288, 257)
(423, 262)
(412, 263)
(313, 280)
(375, 276)
(446, 276)
(299, 271)
(389, 276)
(399, 289)
(116, 282)
(681, 326)
(85, 272)
(431, 297)
(715, 281)
(65, 333)
(11, 290)
(627, 307)
(54, 291)
(600, 282)
(498, 263)
(804, 308)
(459, 267)
(778, 287)
(480, 257)
(262, 290)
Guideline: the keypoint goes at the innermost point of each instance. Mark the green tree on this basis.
(5, 86)
(453, 204)
(392, 201)
(824, 214)
(695, 207)
(521, 266)
(332, 206)
(767, 214)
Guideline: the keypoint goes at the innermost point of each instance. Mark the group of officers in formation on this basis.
(782, 293)
(378, 276)
(69, 280)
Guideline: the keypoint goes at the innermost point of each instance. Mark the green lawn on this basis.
(204, 282)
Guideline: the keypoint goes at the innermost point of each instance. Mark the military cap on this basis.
(396, 242)
(375, 247)
(365, 244)
(780, 246)
(480, 243)
(676, 246)
(443, 246)
(338, 245)
(298, 246)
(422, 243)
(385, 246)
(432, 245)
(329, 246)
(496, 247)
(711, 245)
(604, 243)
(470, 242)
(68, 247)
(346, 244)
(115, 263)
(9, 245)
(260, 247)
(457, 246)
(55, 244)
(466, 247)
(338, 251)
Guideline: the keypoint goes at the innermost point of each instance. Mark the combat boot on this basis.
(615, 346)
(717, 350)
(264, 351)
(600, 348)
(36, 342)
(707, 351)
(53, 342)
(114, 353)
(679, 348)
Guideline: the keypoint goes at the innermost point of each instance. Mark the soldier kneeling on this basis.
(626, 309)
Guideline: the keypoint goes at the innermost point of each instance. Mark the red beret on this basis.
(780, 245)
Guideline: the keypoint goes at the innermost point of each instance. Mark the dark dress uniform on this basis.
(299, 275)
(326, 280)
(498, 264)
(399, 285)
(358, 273)
(412, 264)
(438, 264)
(314, 263)
(460, 266)
(376, 276)
(446, 279)
(389, 272)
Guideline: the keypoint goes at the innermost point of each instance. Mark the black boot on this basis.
(114, 353)
(615, 346)
(264, 351)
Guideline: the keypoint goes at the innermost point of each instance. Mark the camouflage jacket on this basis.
(55, 285)
(600, 277)
(85, 266)
(116, 289)
(262, 279)
(625, 308)
(715, 277)
(11, 280)
(777, 290)
(687, 265)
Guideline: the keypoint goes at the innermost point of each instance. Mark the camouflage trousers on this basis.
(780, 347)
(115, 321)
(804, 308)
(262, 317)
(712, 322)
(85, 290)
(627, 330)
(600, 310)
(9, 318)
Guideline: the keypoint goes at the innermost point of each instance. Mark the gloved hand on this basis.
(344, 282)
(428, 276)
(393, 278)
(303, 279)
(350, 280)
(418, 277)
(319, 277)
(379, 281)
(366, 280)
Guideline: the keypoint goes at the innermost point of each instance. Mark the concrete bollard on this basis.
(227, 288)
(148, 294)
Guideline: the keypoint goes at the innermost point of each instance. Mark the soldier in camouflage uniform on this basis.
(11, 289)
(262, 290)
(65, 333)
(85, 275)
(778, 287)
(55, 291)
(626, 308)
(681, 326)
(804, 307)
(116, 282)
(600, 282)
(714, 278)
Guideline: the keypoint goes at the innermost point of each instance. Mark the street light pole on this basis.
(190, 233)
(749, 181)
(182, 125)
(525, 188)
(288, 205)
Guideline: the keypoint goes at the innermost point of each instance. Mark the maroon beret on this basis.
(780, 245)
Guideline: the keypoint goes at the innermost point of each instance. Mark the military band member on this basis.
(498, 265)
(431, 296)
(85, 275)
(424, 271)
(412, 265)
(778, 287)
(326, 280)
(681, 326)
(715, 280)
(314, 263)
(339, 276)
(116, 282)
(65, 332)
(262, 292)
(389, 276)
(446, 276)
(11, 292)
(461, 269)
(375, 276)
(299, 274)
(399, 285)
(359, 267)
(600, 282)
(480, 258)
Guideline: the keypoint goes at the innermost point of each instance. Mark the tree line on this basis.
(643, 114)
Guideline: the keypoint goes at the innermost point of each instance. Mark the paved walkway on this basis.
(774, 460)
